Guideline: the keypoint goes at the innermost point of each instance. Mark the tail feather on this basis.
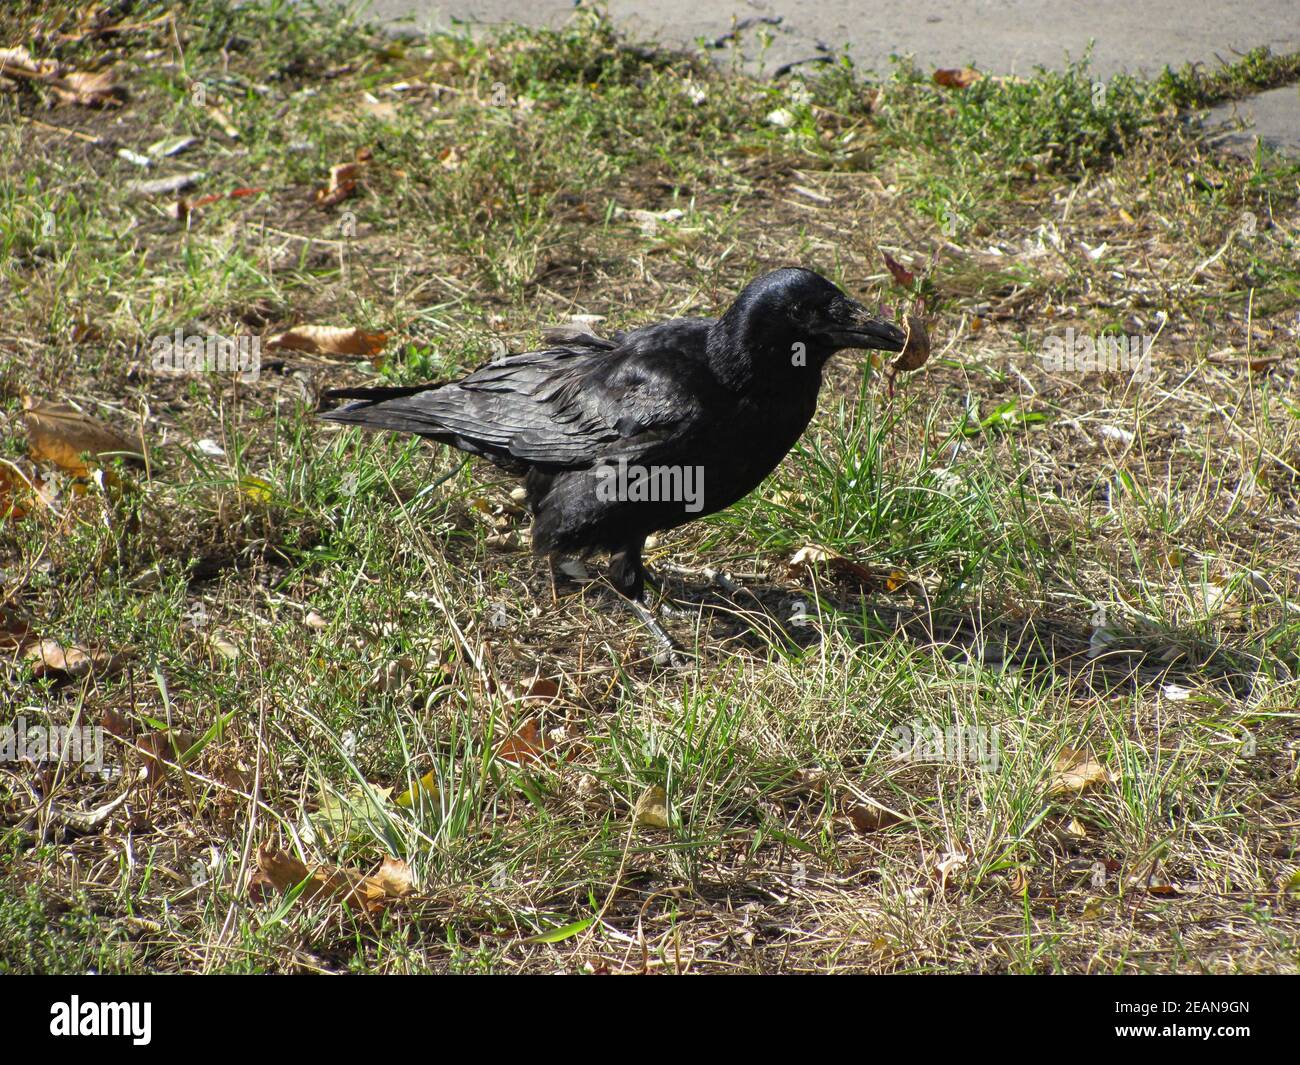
(373, 408)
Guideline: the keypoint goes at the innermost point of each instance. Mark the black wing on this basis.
(564, 407)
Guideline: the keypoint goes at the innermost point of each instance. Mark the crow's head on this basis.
(793, 316)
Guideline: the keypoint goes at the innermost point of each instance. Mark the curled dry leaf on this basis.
(330, 340)
(948, 863)
(50, 658)
(916, 350)
(280, 871)
(870, 816)
(813, 557)
(1077, 771)
(75, 441)
(957, 78)
(903, 277)
(99, 89)
(652, 808)
(343, 183)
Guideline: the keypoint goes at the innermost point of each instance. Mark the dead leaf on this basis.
(813, 557)
(61, 662)
(652, 808)
(394, 877)
(528, 744)
(258, 489)
(343, 183)
(159, 749)
(957, 78)
(16, 493)
(543, 688)
(89, 90)
(98, 89)
(903, 277)
(423, 790)
(916, 350)
(948, 863)
(49, 657)
(869, 816)
(330, 340)
(1075, 772)
(116, 724)
(63, 435)
(281, 871)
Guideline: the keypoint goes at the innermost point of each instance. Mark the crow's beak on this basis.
(859, 328)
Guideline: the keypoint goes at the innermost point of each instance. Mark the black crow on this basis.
(617, 439)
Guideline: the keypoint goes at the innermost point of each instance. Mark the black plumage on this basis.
(725, 398)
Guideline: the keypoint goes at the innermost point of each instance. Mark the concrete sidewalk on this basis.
(1002, 36)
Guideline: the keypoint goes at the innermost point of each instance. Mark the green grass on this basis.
(320, 620)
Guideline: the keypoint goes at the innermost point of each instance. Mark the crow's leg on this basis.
(628, 575)
(667, 607)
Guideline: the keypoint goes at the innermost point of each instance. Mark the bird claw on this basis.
(672, 658)
(668, 652)
(670, 610)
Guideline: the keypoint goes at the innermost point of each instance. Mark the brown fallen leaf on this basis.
(948, 863)
(343, 183)
(813, 557)
(528, 744)
(394, 877)
(870, 816)
(16, 493)
(544, 689)
(162, 750)
(49, 657)
(116, 724)
(1075, 772)
(652, 808)
(63, 435)
(916, 350)
(903, 277)
(62, 662)
(99, 89)
(957, 78)
(278, 870)
(330, 340)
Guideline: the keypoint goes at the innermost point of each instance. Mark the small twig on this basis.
(88, 138)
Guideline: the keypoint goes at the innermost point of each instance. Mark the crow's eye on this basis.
(801, 312)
